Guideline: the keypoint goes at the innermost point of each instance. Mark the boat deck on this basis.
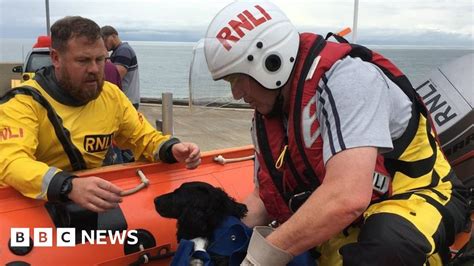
(210, 128)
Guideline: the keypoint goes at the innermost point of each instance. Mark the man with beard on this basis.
(65, 120)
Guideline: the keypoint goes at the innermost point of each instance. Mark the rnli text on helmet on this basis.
(247, 21)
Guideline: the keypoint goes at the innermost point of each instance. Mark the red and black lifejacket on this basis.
(284, 190)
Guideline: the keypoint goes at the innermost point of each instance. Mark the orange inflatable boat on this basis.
(143, 230)
(132, 234)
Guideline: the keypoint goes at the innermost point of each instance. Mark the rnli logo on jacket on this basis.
(380, 183)
(7, 133)
(140, 117)
(97, 143)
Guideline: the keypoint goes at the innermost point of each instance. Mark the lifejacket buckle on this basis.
(274, 224)
(295, 201)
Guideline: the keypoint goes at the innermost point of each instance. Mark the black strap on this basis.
(314, 51)
(420, 167)
(301, 184)
(447, 218)
(402, 81)
(400, 144)
(338, 38)
(277, 176)
(75, 157)
(416, 168)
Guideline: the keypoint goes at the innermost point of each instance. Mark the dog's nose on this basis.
(164, 206)
(159, 204)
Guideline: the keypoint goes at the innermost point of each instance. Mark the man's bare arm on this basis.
(122, 71)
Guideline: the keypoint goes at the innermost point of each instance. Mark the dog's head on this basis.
(199, 208)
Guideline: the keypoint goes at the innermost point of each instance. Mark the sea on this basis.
(165, 66)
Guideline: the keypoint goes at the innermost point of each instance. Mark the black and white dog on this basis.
(204, 211)
(199, 208)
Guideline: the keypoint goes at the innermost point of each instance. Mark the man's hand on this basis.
(257, 214)
(95, 193)
(187, 152)
(260, 252)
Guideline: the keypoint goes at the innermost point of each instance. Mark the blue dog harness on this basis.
(230, 239)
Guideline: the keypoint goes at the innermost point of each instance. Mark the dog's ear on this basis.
(226, 205)
(192, 223)
(237, 209)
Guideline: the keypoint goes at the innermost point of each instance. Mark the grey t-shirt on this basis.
(125, 56)
(359, 106)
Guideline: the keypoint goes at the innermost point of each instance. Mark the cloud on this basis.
(401, 22)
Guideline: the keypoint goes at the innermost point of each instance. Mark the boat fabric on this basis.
(419, 176)
(30, 142)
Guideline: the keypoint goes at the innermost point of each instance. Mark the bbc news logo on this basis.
(66, 237)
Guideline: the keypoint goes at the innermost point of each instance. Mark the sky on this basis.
(381, 22)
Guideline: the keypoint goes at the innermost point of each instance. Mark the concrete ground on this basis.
(210, 128)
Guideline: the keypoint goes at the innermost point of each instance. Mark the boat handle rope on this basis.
(221, 160)
(144, 183)
(146, 257)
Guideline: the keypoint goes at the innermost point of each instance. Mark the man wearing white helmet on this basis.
(346, 159)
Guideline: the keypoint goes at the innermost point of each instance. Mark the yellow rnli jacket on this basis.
(36, 154)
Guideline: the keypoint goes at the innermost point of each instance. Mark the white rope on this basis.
(145, 256)
(221, 160)
(144, 183)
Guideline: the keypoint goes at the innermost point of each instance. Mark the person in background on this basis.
(346, 159)
(64, 120)
(124, 57)
(111, 74)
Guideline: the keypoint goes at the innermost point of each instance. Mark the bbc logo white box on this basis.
(43, 237)
(65, 237)
(20, 237)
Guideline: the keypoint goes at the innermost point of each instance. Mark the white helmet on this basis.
(253, 38)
